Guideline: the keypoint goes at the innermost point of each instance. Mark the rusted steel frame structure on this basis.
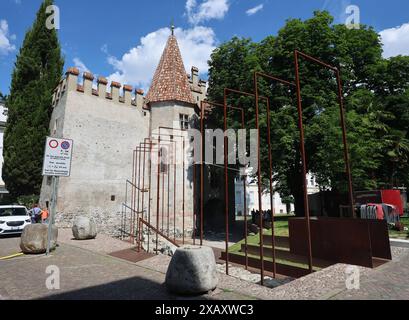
(183, 140)
(342, 116)
(131, 240)
(134, 194)
(169, 142)
(174, 188)
(297, 55)
(228, 91)
(257, 75)
(137, 190)
(202, 111)
(145, 147)
(150, 143)
(160, 144)
(133, 212)
(146, 223)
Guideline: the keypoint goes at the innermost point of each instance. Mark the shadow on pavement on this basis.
(128, 289)
(10, 236)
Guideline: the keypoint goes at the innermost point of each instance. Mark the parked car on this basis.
(13, 219)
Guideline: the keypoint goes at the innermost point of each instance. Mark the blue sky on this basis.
(124, 39)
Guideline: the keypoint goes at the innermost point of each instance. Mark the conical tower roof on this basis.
(170, 82)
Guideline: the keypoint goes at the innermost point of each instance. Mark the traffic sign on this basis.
(57, 157)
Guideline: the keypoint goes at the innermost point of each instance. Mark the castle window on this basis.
(164, 160)
(184, 121)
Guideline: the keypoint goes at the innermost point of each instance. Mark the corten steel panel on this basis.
(381, 247)
(334, 239)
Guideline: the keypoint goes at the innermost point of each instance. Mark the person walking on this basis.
(36, 214)
(44, 216)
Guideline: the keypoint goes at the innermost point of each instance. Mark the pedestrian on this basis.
(44, 215)
(36, 214)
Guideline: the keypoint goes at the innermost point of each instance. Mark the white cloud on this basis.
(137, 66)
(254, 10)
(80, 65)
(395, 41)
(206, 10)
(5, 45)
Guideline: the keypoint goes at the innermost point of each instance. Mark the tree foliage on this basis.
(37, 71)
(376, 101)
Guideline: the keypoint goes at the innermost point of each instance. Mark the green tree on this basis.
(358, 54)
(37, 71)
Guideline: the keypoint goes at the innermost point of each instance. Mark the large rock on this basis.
(84, 228)
(34, 239)
(192, 270)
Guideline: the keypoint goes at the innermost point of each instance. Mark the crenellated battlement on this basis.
(70, 82)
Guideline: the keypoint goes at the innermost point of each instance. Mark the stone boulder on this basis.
(34, 239)
(192, 271)
(84, 228)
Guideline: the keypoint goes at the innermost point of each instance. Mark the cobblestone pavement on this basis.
(89, 275)
(226, 283)
(101, 244)
(330, 283)
(9, 245)
(388, 282)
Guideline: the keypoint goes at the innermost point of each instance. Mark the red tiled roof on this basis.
(170, 82)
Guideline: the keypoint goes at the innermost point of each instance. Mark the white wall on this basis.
(105, 133)
(252, 197)
(166, 114)
(252, 200)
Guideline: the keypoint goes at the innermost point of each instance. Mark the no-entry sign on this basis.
(57, 157)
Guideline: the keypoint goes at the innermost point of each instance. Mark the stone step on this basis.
(281, 242)
(285, 255)
(253, 262)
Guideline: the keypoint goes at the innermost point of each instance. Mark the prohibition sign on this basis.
(65, 145)
(53, 144)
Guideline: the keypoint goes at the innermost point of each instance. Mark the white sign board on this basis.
(57, 157)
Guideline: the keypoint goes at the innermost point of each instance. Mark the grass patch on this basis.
(281, 230)
(401, 235)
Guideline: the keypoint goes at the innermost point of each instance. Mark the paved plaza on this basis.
(88, 272)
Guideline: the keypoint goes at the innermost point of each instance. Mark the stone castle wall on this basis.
(105, 128)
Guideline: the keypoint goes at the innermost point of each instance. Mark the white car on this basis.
(13, 219)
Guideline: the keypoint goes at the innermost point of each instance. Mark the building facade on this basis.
(279, 207)
(107, 126)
